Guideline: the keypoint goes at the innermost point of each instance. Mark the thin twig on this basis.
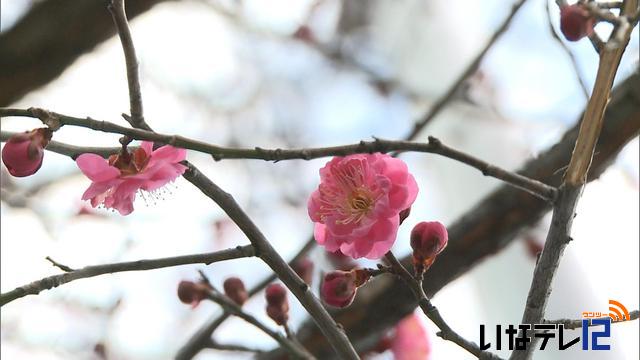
(577, 323)
(203, 335)
(378, 145)
(62, 267)
(572, 58)
(116, 7)
(462, 78)
(432, 312)
(232, 347)
(231, 307)
(610, 4)
(95, 270)
(570, 191)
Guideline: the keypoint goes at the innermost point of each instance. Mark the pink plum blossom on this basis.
(356, 207)
(116, 181)
(411, 339)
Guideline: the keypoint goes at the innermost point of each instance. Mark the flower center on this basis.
(347, 197)
(129, 163)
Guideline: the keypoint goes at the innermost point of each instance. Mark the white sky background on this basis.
(207, 77)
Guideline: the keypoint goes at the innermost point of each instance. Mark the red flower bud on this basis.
(576, 22)
(277, 304)
(428, 239)
(192, 293)
(339, 287)
(235, 290)
(22, 154)
(304, 269)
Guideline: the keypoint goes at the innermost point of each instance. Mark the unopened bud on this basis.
(235, 290)
(339, 287)
(576, 22)
(23, 153)
(277, 304)
(192, 293)
(428, 239)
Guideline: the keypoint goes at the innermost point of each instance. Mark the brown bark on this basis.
(50, 37)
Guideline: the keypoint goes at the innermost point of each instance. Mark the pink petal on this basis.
(96, 168)
(379, 240)
(313, 206)
(169, 154)
(321, 236)
(147, 146)
(97, 188)
(123, 196)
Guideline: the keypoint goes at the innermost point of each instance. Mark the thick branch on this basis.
(559, 233)
(49, 38)
(90, 271)
(434, 146)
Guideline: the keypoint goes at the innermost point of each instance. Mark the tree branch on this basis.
(575, 324)
(230, 307)
(559, 233)
(446, 332)
(116, 8)
(201, 337)
(439, 105)
(572, 58)
(231, 347)
(434, 146)
(90, 271)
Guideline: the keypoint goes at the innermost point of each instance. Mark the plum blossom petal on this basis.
(357, 204)
(115, 182)
(96, 168)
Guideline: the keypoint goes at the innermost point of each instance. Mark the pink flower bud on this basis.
(277, 304)
(428, 239)
(576, 22)
(22, 154)
(304, 269)
(192, 293)
(339, 287)
(235, 290)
